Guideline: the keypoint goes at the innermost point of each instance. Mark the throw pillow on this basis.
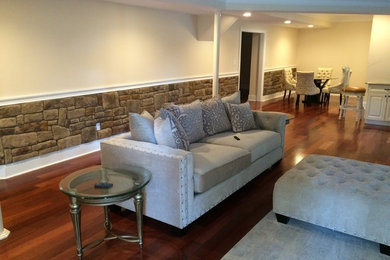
(234, 98)
(190, 117)
(141, 127)
(241, 117)
(168, 131)
(215, 119)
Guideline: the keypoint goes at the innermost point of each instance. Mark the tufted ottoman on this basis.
(345, 195)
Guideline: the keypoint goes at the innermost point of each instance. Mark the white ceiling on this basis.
(321, 13)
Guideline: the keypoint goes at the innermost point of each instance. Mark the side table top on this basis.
(97, 183)
(289, 117)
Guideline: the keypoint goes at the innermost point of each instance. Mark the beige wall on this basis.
(281, 45)
(379, 53)
(55, 46)
(51, 46)
(343, 44)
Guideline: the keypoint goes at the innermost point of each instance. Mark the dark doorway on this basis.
(245, 66)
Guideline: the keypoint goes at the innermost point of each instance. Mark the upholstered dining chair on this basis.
(337, 89)
(324, 73)
(305, 85)
(289, 83)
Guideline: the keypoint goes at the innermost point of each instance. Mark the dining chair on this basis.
(323, 74)
(337, 88)
(289, 82)
(305, 86)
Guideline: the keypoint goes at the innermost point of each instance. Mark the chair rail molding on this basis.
(103, 89)
(279, 68)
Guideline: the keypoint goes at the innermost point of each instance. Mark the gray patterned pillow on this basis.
(234, 98)
(141, 127)
(215, 119)
(190, 117)
(241, 117)
(168, 131)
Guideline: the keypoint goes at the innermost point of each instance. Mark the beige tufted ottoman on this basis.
(345, 195)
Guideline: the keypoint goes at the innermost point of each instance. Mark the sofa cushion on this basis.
(241, 117)
(215, 163)
(215, 119)
(190, 117)
(257, 142)
(234, 98)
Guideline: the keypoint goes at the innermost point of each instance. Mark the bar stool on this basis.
(357, 92)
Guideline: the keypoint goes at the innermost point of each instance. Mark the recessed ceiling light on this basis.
(247, 14)
(287, 22)
(310, 26)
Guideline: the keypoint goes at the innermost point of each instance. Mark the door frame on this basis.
(261, 63)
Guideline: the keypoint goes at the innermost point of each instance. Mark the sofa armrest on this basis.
(169, 194)
(273, 121)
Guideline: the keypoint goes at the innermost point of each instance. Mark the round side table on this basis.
(99, 186)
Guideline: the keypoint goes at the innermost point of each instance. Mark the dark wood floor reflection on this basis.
(36, 212)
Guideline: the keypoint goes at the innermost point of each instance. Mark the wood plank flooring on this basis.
(36, 212)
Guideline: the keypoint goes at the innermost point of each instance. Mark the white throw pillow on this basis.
(141, 127)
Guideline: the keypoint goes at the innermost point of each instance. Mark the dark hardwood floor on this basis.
(36, 212)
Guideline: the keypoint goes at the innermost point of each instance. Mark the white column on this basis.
(3, 232)
(217, 38)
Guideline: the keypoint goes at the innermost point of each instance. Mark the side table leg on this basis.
(75, 213)
(107, 223)
(138, 204)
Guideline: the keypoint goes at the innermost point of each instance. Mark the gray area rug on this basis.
(299, 240)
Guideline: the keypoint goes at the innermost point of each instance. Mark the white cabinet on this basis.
(387, 109)
(378, 104)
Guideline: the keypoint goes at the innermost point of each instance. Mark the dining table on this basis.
(321, 84)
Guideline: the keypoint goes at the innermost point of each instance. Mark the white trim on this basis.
(272, 96)
(279, 68)
(376, 122)
(262, 52)
(28, 165)
(97, 90)
(261, 70)
(216, 49)
(252, 98)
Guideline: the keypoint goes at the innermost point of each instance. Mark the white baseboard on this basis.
(252, 98)
(41, 161)
(272, 96)
(28, 165)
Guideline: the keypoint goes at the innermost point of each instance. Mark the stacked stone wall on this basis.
(36, 128)
(273, 81)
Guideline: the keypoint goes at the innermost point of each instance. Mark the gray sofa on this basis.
(186, 184)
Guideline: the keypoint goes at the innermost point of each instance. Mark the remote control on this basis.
(103, 185)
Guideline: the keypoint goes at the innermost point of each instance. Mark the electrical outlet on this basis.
(97, 126)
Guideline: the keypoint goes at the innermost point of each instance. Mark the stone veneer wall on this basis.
(35, 128)
(273, 81)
